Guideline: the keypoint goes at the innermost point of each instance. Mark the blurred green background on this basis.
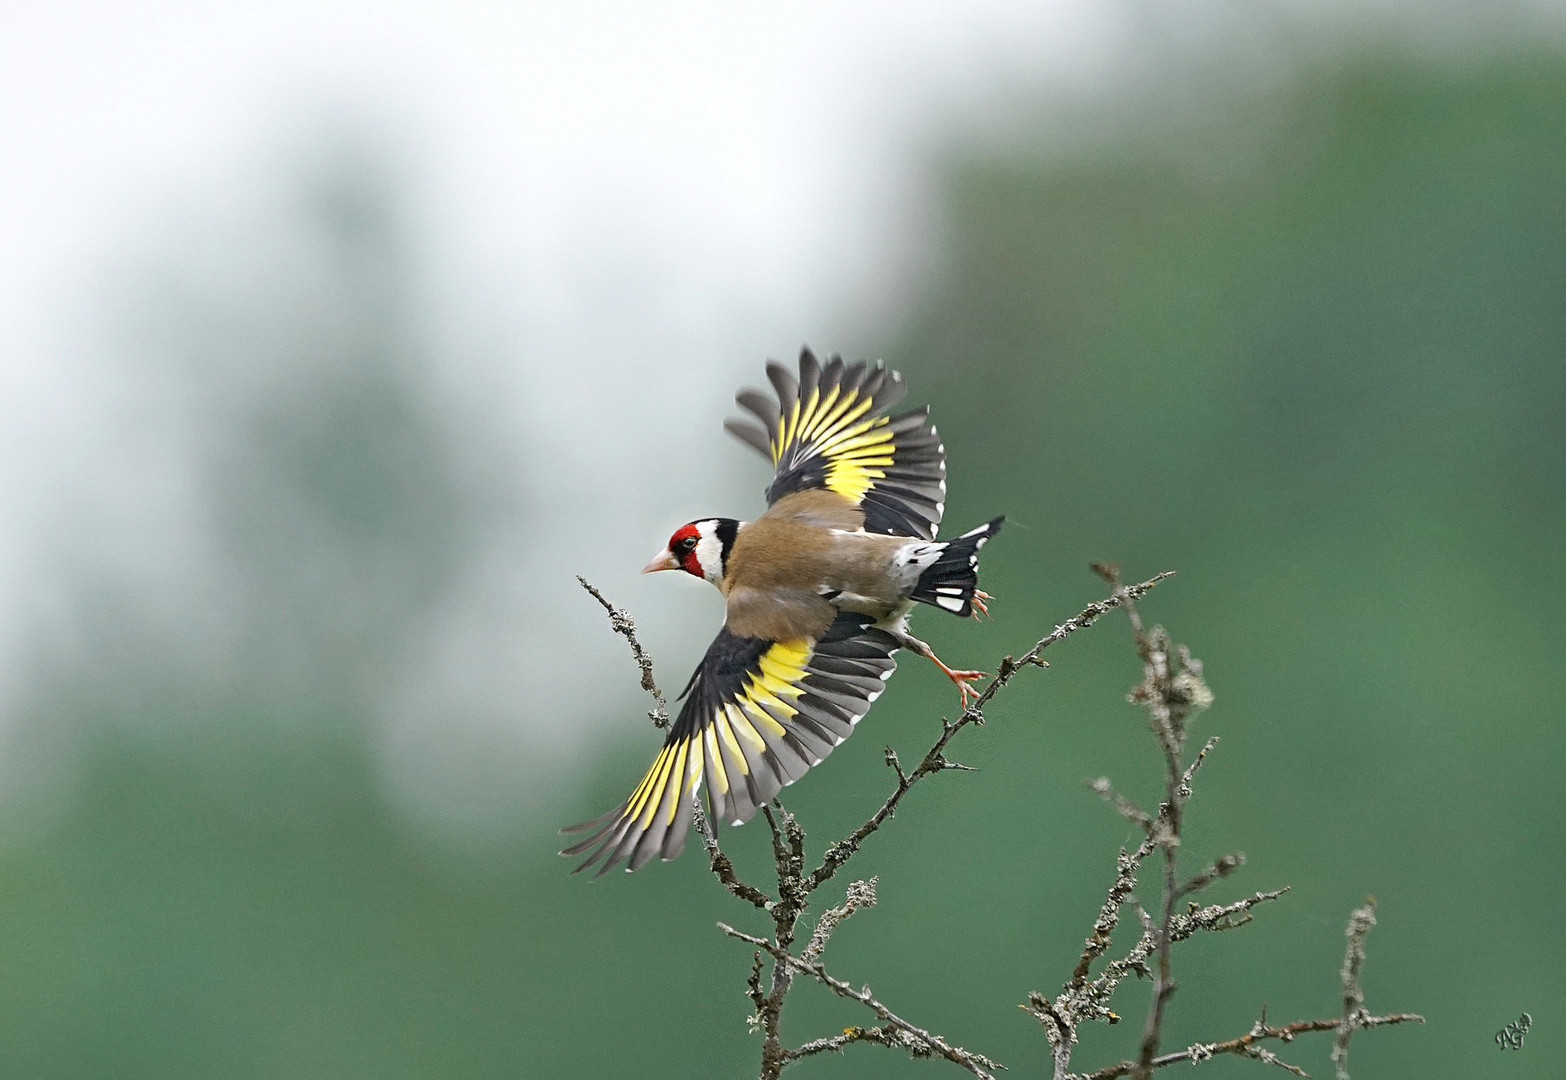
(1302, 340)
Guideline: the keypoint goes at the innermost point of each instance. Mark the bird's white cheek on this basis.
(709, 552)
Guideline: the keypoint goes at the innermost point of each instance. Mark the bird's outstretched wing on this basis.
(757, 715)
(829, 428)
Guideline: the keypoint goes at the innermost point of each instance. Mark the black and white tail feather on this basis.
(951, 580)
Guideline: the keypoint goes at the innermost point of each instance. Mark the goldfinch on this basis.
(818, 591)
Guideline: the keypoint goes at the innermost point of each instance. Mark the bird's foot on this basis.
(981, 601)
(963, 679)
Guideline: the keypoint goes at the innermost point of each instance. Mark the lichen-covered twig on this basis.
(1128, 809)
(1354, 1014)
(861, 894)
(934, 759)
(722, 868)
(1122, 597)
(1172, 691)
(922, 1042)
(1245, 1045)
(621, 622)
(880, 1034)
(795, 885)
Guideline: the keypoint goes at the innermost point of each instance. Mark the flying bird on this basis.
(818, 591)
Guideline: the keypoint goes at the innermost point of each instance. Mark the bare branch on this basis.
(720, 864)
(1089, 615)
(1220, 868)
(861, 894)
(1128, 809)
(925, 1044)
(840, 852)
(621, 622)
(1196, 763)
(795, 886)
(780, 849)
(1167, 709)
(883, 1034)
(1218, 917)
(1360, 922)
(1244, 1044)
(934, 759)
(1262, 1054)
(1109, 915)
(1172, 691)
(753, 985)
(1171, 702)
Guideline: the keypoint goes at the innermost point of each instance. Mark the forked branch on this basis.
(1172, 692)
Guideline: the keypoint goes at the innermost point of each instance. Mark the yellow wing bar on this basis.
(758, 715)
(829, 428)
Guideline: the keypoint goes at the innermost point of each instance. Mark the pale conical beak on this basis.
(662, 561)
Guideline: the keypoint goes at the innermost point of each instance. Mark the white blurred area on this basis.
(600, 220)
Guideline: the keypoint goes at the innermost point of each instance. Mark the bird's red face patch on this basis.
(682, 545)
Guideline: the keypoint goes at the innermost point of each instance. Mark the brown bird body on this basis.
(808, 546)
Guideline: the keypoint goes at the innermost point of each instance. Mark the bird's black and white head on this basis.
(700, 548)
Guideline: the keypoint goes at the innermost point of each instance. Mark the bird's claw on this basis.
(963, 679)
(981, 601)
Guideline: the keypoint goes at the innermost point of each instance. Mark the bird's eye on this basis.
(688, 544)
